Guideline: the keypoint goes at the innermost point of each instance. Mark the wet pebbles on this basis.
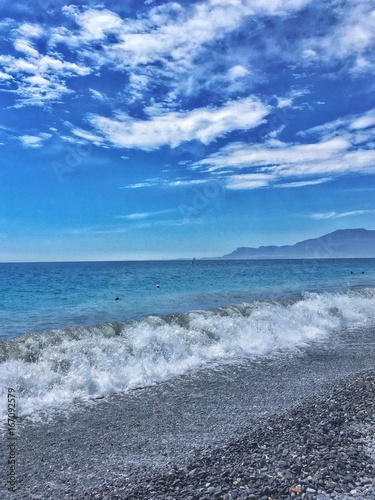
(236, 430)
(322, 448)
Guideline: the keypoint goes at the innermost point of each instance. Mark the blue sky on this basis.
(156, 130)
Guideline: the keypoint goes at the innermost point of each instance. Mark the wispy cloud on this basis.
(164, 43)
(349, 125)
(164, 33)
(351, 38)
(364, 122)
(40, 78)
(99, 95)
(140, 223)
(344, 146)
(145, 184)
(304, 183)
(164, 182)
(338, 215)
(173, 128)
(144, 215)
(28, 31)
(5, 76)
(273, 153)
(187, 182)
(249, 181)
(135, 216)
(87, 136)
(33, 141)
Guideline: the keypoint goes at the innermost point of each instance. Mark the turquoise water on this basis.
(39, 297)
(65, 338)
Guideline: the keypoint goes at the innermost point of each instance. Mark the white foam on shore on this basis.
(52, 369)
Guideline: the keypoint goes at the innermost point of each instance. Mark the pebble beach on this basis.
(285, 427)
(322, 448)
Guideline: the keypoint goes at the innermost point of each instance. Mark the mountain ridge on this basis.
(342, 243)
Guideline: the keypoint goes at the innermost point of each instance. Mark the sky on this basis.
(135, 130)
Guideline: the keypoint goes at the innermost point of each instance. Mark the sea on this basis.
(78, 331)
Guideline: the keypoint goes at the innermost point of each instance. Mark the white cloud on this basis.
(338, 215)
(147, 183)
(284, 102)
(287, 101)
(30, 30)
(236, 72)
(356, 129)
(40, 78)
(249, 181)
(26, 47)
(37, 90)
(160, 44)
(304, 183)
(165, 183)
(363, 122)
(343, 148)
(164, 42)
(166, 31)
(145, 215)
(191, 182)
(323, 215)
(83, 134)
(33, 141)
(5, 76)
(309, 54)
(135, 216)
(353, 36)
(94, 24)
(173, 128)
(240, 155)
(98, 95)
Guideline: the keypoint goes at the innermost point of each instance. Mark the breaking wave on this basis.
(52, 369)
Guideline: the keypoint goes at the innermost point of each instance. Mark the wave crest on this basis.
(54, 368)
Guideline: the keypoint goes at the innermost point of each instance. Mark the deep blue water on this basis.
(44, 296)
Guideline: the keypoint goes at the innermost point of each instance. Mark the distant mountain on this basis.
(343, 243)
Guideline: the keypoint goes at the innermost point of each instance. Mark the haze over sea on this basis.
(64, 336)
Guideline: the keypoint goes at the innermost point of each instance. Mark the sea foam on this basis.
(53, 369)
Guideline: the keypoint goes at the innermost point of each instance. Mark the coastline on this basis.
(132, 445)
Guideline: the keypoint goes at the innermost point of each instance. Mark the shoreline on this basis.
(116, 447)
